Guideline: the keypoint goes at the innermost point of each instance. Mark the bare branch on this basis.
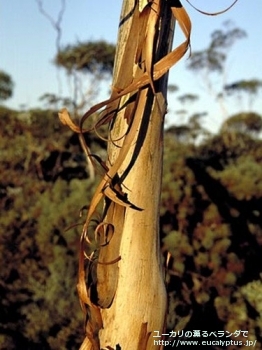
(56, 24)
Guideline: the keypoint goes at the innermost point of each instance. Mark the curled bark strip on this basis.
(110, 262)
(104, 231)
(119, 198)
(212, 13)
(65, 119)
(158, 70)
(91, 260)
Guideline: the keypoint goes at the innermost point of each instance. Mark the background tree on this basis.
(212, 61)
(38, 171)
(6, 86)
(210, 221)
(187, 98)
(248, 87)
(248, 123)
(95, 58)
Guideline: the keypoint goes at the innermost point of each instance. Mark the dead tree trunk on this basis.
(134, 290)
(124, 294)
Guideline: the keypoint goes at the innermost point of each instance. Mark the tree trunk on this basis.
(128, 275)
(139, 304)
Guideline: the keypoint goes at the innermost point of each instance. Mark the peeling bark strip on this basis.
(213, 13)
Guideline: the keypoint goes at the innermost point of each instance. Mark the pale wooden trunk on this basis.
(131, 292)
(140, 296)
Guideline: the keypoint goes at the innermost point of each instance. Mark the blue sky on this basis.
(27, 47)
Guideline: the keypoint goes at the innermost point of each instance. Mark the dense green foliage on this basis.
(43, 185)
(210, 223)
